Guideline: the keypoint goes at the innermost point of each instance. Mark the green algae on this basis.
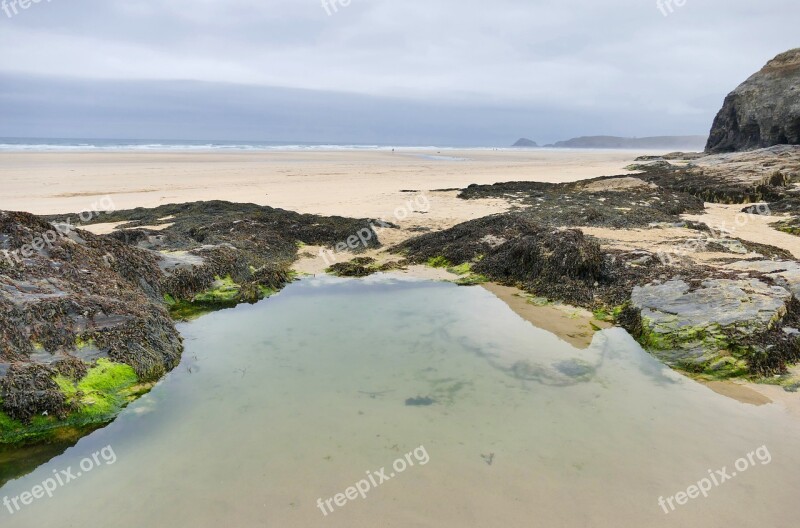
(439, 262)
(464, 271)
(266, 292)
(189, 311)
(461, 269)
(224, 293)
(105, 388)
(790, 382)
(7, 424)
(705, 351)
(81, 343)
(472, 279)
(96, 399)
(538, 301)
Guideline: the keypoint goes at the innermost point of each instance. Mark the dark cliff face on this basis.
(763, 111)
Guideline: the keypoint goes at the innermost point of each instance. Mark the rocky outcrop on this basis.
(525, 143)
(80, 296)
(716, 326)
(731, 178)
(763, 111)
(518, 250)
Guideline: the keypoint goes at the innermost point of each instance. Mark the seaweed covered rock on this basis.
(29, 390)
(561, 264)
(78, 296)
(357, 267)
(720, 327)
(364, 267)
(615, 201)
(468, 241)
(219, 254)
(735, 178)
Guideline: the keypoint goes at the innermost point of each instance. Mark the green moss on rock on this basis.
(224, 293)
(439, 262)
(96, 399)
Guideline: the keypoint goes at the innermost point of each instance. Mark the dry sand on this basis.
(346, 183)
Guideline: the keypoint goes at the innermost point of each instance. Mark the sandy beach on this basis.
(347, 183)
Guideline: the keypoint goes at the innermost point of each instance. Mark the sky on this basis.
(446, 72)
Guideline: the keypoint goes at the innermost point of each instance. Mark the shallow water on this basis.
(294, 399)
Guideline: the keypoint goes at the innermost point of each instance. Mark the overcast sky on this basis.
(380, 71)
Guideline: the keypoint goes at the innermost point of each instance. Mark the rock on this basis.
(609, 201)
(763, 175)
(785, 273)
(525, 143)
(763, 111)
(709, 328)
(731, 245)
(512, 249)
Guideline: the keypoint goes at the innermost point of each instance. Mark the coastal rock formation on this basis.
(80, 296)
(714, 325)
(763, 111)
(525, 143)
(620, 202)
(513, 249)
(75, 306)
(732, 178)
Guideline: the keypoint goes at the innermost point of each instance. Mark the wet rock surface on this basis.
(714, 325)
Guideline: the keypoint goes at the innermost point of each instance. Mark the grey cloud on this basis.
(570, 66)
